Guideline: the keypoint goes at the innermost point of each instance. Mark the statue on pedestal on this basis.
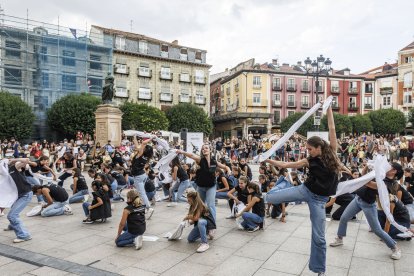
(108, 90)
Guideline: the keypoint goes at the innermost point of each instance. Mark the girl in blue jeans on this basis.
(253, 221)
(324, 167)
(132, 225)
(181, 180)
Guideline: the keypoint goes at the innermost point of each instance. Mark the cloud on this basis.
(353, 33)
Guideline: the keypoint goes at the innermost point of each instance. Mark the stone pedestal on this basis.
(108, 124)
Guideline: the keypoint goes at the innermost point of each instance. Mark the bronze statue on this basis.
(108, 90)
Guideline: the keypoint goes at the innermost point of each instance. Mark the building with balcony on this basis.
(42, 62)
(159, 73)
(405, 78)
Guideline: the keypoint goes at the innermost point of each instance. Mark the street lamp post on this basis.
(319, 67)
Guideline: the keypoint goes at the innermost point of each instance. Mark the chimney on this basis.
(275, 61)
(299, 63)
(175, 42)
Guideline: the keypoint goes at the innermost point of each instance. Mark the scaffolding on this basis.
(42, 62)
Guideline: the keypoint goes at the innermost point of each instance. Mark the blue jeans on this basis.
(139, 183)
(34, 181)
(316, 204)
(181, 187)
(208, 196)
(222, 195)
(13, 216)
(199, 231)
(63, 177)
(150, 195)
(78, 197)
(85, 206)
(56, 209)
(371, 214)
(251, 220)
(125, 239)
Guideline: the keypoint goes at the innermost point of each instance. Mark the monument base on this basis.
(108, 125)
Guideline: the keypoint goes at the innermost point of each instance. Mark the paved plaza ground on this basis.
(64, 246)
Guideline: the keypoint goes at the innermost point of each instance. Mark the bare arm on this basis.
(226, 185)
(296, 165)
(174, 173)
(122, 222)
(332, 133)
(249, 206)
(190, 155)
(387, 223)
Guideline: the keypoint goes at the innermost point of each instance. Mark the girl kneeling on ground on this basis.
(253, 221)
(200, 216)
(132, 222)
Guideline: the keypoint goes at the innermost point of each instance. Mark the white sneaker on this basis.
(67, 210)
(405, 235)
(336, 242)
(202, 248)
(239, 225)
(211, 234)
(396, 254)
(138, 242)
(150, 212)
(172, 204)
(230, 217)
(18, 240)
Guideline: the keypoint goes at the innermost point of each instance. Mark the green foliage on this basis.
(343, 123)
(361, 123)
(192, 117)
(16, 117)
(142, 117)
(72, 113)
(387, 121)
(307, 126)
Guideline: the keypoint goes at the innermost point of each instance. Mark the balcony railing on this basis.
(261, 103)
(185, 78)
(200, 80)
(121, 69)
(121, 92)
(335, 90)
(291, 104)
(276, 87)
(276, 103)
(408, 84)
(353, 90)
(144, 95)
(291, 87)
(166, 76)
(368, 106)
(199, 100)
(335, 106)
(166, 97)
(386, 90)
(144, 73)
(185, 98)
(305, 88)
(257, 85)
(304, 105)
(353, 107)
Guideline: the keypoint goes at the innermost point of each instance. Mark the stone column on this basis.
(108, 124)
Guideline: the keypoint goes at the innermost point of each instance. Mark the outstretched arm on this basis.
(296, 165)
(332, 133)
(193, 156)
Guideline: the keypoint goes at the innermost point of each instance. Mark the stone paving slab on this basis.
(64, 246)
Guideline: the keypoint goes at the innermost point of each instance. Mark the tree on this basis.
(387, 121)
(290, 120)
(361, 123)
(342, 123)
(192, 117)
(16, 117)
(142, 117)
(72, 113)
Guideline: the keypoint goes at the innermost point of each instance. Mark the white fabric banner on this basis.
(292, 130)
(161, 142)
(163, 165)
(8, 188)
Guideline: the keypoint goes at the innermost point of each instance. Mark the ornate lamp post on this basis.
(319, 67)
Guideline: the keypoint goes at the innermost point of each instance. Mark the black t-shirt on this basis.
(406, 197)
(138, 165)
(259, 207)
(23, 187)
(400, 213)
(205, 176)
(136, 220)
(321, 180)
(367, 194)
(57, 193)
(220, 183)
(344, 146)
(254, 146)
(81, 184)
(219, 145)
(149, 185)
(117, 158)
(120, 179)
(182, 174)
(264, 186)
(85, 147)
(242, 195)
(69, 163)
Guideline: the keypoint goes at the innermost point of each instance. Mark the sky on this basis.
(358, 34)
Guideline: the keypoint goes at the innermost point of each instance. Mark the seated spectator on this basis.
(98, 209)
(79, 187)
(253, 221)
(238, 194)
(222, 184)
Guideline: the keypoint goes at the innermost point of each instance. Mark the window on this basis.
(68, 82)
(14, 49)
(407, 97)
(68, 58)
(95, 85)
(144, 71)
(408, 59)
(368, 88)
(185, 77)
(291, 84)
(43, 53)
(368, 102)
(352, 84)
(120, 42)
(185, 96)
(276, 117)
(121, 88)
(144, 93)
(386, 100)
(257, 83)
(164, 50)
(305, 101)
(199, 98)
(352, 102)
(165, 73)
(198, 57)
(95, 64)
(320, 86)
(35, 78)
(143, 47)
(45, 80)
(290, 112)
(41, 101)
(183, 54)
(12, 76)
(291, 100)
(408, 79)
(335, 101)
(199, 76)
(276, 83)
(256, 98)
(305, 85)
(276, 98)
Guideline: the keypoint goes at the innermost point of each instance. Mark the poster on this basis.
(194, 143)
